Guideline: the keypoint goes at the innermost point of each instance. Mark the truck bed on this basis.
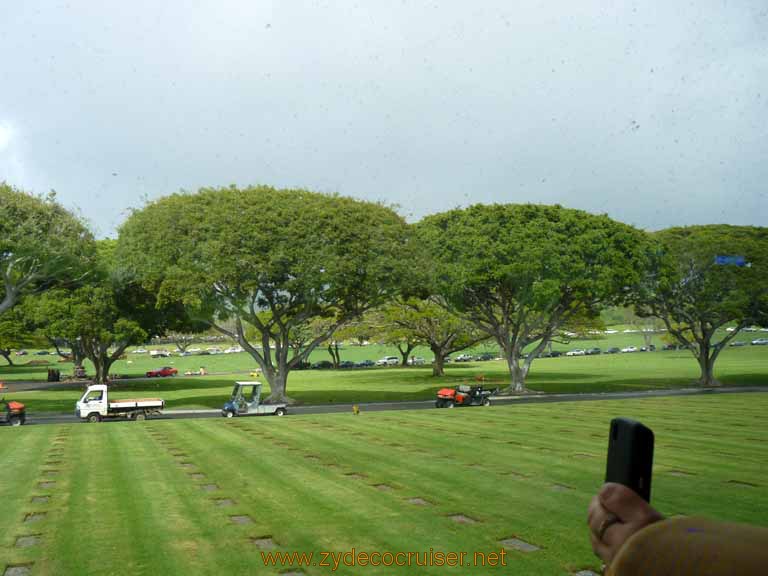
(136, 403)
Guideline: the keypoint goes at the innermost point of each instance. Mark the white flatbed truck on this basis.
(94, 406)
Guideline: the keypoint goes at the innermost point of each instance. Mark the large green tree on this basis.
(520, 273)
(41, 244)
(704, 279)
(276, 260)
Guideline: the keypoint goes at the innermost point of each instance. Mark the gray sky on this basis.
(655, 112)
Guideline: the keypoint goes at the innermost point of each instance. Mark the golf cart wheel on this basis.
(140, 416)
(93, 418)
(15, 421)
(451, 405)
(280, 412)
(229, 414)
(486, 401)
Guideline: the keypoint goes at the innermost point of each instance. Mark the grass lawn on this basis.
(207, 496)
(640, 371)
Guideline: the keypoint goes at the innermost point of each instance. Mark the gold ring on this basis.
(607, 522)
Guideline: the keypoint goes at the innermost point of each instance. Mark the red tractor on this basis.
(463, 395)
(14, 413)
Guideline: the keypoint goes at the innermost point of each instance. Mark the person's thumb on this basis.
(624, 503)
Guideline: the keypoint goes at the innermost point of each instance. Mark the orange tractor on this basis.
(13, 413)
(464, 395)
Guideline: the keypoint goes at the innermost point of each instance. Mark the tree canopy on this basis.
(274, 259)
(519, 272)
(703, 279)
(41, 244)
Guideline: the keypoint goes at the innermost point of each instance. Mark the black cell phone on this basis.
(630, 456)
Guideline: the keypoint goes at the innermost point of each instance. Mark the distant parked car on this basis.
(415, 361)
(552, 354)
(159, 354)
(322, 365)
(613, 350)
(463, 358)
(629, 349)
(347, 364)
(650, 348)
(42, 353)
(162, 372)
(194, 350)
(485, 357)
(234, 350)
(760, 342)
(139, 351)
(576, 352)
(593, 351)
(388, 361)
(365, 363)
(21, 353)
(736, 343)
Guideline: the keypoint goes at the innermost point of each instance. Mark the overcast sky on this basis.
(655, 112)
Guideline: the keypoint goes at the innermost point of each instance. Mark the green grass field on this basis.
(160, 497)
(619, 372)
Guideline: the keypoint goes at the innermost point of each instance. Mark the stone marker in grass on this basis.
(35, 517)
(28, 541)
(517, 544)
(241, 519)
(18, 570)
(264, 542)
(462, 519)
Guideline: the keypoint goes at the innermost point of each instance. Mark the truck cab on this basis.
(93, 403)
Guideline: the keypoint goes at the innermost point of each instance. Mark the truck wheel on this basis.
(280, 412)
(486, 401)
(15, 421)
(229, 414)
(92, 418)
(140, 417)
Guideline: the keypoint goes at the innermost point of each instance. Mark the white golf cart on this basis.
(246, 401)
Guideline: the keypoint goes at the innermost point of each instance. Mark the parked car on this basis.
(576, 352)
(322, 365)
(613, 350)
(159, 354)
(388, 361)
(760, 342)
(234, 350)
(463, 358)
(593, 351)
(552, 354)
(162, 372)
(42, 353)
(347, 364)
(365, 363)
(21, 353)
(415, 361)
(194, 350)
(629, 349)
(736, 343)
(485, 357)
(650, 348)
(139, 351)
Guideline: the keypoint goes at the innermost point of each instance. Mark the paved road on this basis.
(430, 404)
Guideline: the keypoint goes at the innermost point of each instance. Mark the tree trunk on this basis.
(516, 372)
(101, 367)
(405, 353)
(7, 355)
(439, 363)
(707, 365)
(333, 350)
(278, 379)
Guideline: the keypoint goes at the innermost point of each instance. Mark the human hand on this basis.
(615, 514)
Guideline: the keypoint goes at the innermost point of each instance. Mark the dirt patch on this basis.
(35, 517)
(40, 499)
(383, 487)
(742, 483)
(28, 541)
(48, 484)
(241, 520)
(419, 502)
(517, 544)
(264, 542)
(462, 519)
(209, 487)
(223, 502)
(18, 570)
